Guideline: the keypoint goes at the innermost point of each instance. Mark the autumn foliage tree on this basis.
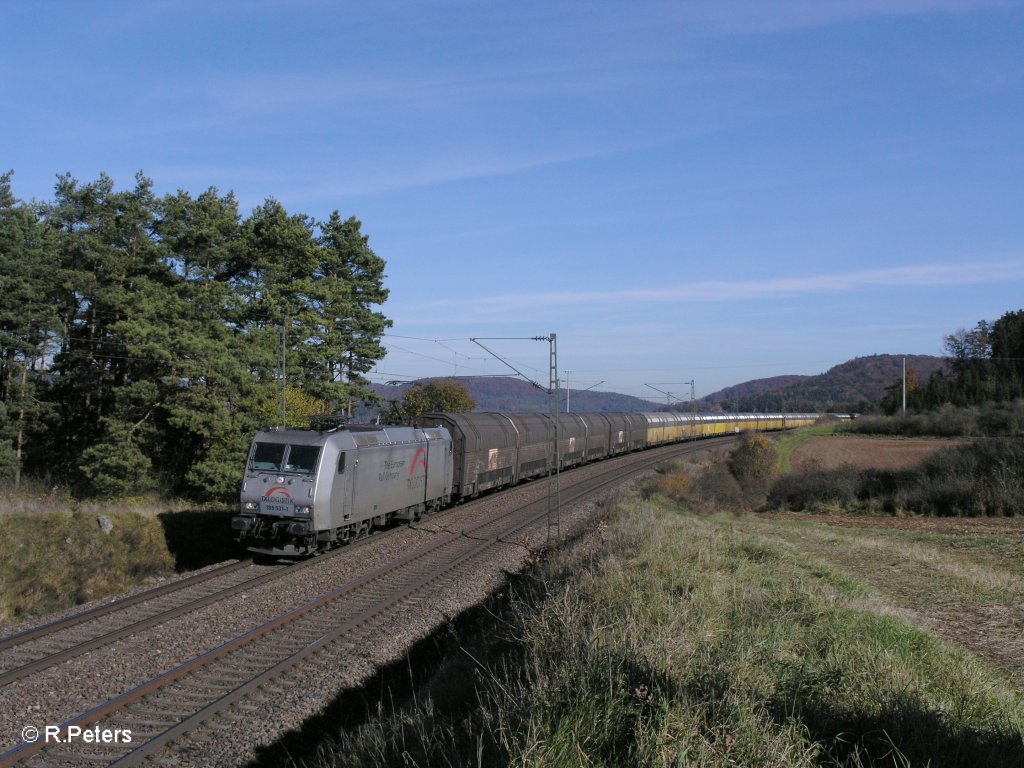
(753, 463)
(893, 400)
(436, 395)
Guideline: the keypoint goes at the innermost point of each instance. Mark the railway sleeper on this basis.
(146, 722)
(185, 695)
(53, 755)
(224, 722)
(165, 718)
(207, 685)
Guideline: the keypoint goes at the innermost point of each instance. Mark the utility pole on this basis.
(555, 497)
(284, 377)
(554, 398)
(568, 390)
(904, 385)
(670, 395)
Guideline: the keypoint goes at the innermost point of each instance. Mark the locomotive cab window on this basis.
(302, 459)
(277, 457)
(341, 462)
(267, 457)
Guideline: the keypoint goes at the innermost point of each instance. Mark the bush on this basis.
(716, 490)
(981, 478)
(676, 486)
(753, 462)
(811, 490)
(1003, 419)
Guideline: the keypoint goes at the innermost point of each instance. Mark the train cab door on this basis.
(341, 495)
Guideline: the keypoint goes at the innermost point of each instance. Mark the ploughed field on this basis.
(834, 451)
(956, 577)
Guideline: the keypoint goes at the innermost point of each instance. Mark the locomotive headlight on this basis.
(303, 511)
(250, 506)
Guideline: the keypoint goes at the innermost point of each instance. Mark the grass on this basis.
(53, 560)
(718, 640)
(996, 550)
(54, 554)
(789, 441)
(664, 639)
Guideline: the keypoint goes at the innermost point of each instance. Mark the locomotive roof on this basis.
(359, 435)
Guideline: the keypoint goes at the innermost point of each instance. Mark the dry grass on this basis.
(971, 593)
(54, 553)
(719, 641)
(35, 501)
(53, 560)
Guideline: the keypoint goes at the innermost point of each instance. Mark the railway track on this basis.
(58, 641)
(179, 714)
(38, 648)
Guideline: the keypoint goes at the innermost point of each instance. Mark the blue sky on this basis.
(710, 191)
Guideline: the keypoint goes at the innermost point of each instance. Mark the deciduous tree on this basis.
(436, 395)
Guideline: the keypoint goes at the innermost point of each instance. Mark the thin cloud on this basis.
(757, 17)
(716, 291)
(458, 166)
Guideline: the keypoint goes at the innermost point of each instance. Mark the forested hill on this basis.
(751, 388)
(512, 395)
(850, 386)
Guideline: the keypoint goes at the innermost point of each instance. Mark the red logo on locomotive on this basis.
(282, 492)
(419, 459)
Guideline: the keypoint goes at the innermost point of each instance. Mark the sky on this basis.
(708, 191)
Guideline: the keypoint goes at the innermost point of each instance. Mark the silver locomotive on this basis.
(307, 490)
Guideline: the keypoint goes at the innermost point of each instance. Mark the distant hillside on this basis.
(749, 388)
(850, 386)
(512, 395)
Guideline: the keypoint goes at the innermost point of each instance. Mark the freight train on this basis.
(305, 491)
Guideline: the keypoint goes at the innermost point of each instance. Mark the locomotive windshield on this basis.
(268, 457)
(302, 458)
(278, 457)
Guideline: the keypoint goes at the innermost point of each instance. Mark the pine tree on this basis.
(151, 345)
(208, 412)
(114, 343)
(348, 285)
(27, 325)
(1008, 353)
